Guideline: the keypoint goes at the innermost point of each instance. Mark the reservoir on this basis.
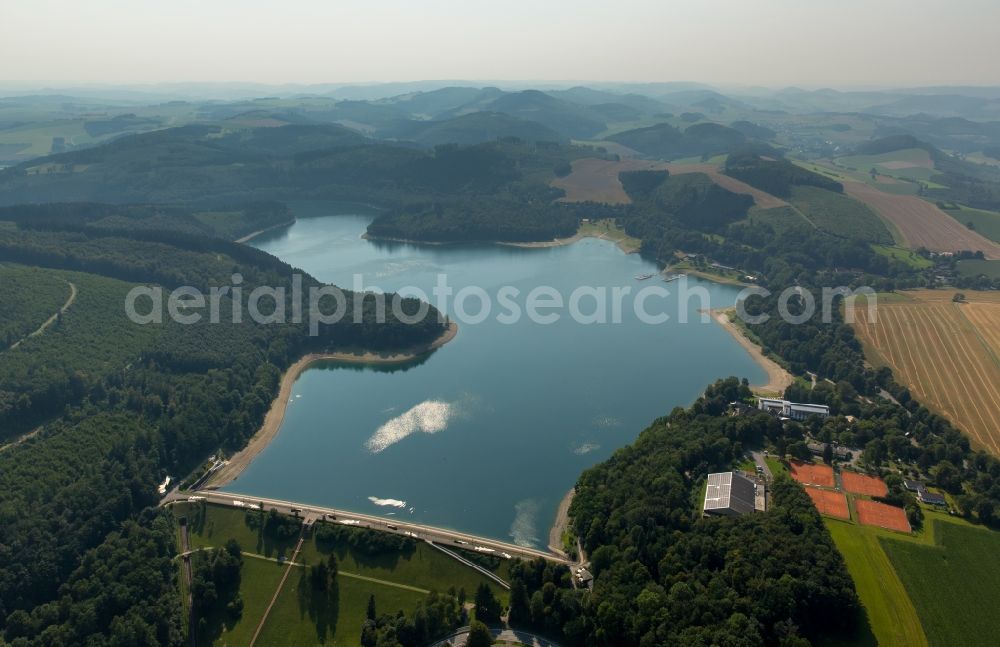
(488, 433)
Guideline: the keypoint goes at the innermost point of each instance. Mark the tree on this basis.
(915, 515)
(487, 605)
(479, 635)
(827, 453)
(520, 609)
(947, 477)
(371, 612)
(799, 450)
(959, 297)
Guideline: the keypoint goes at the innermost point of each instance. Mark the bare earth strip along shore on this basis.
(272, 421)
(561, 524)
(778, 379)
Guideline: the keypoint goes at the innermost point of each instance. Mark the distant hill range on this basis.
(474, 128)
(667, 142)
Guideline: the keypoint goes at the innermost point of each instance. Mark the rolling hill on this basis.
(667, 142)
(474, 128)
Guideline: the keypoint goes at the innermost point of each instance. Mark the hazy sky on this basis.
(769, 42)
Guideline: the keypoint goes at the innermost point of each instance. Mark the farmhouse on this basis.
(793, 410)
(913, 486)
(730, 494)
(931, 498)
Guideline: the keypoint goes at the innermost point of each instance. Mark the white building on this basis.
(793, 410)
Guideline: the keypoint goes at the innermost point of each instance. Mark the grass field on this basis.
(976, 267)
(607, 230)
(258, 580)
(890, 613)
(946, 353)
(840, 215)
(397, 580)
(301, 617)
(986, 223)
(776, 466)
(952, 583)
(902, 255)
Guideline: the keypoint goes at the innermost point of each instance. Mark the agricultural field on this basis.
(397, 580)
(596, 180)
(839, 215)
(952, 582)
(920, 223)
(973, 267)
(761, 199)
(947, 353)
(890, 613)
(910, 164)
(986, 223)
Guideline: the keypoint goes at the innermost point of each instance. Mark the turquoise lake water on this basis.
(489, 432)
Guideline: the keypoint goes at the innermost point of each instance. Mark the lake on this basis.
(489, 432)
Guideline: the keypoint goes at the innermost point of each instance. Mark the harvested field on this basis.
(863, 484)
(873, 513)
(596, 180)
(812, 474)
(762, 199)
(946, 353)
(984, 316)
(829, 502)
(921, 223)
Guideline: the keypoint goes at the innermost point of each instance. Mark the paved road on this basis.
(758, 458)
(442, 536)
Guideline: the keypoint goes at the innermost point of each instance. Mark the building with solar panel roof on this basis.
(729, 494)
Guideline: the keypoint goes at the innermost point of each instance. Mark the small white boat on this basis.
(643, 277)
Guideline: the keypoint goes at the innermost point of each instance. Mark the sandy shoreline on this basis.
(539, 244)
(254, 234)
(778, 379)
(272, 420)
(561, 523)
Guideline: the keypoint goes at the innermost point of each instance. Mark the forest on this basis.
(113, 420)
(118, 408)
(666, 575)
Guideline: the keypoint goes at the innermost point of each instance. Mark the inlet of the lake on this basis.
(488, 433)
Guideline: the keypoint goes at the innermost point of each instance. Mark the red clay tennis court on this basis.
(812, 474)
(828, 502)
(863, 484)
(872, 513)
